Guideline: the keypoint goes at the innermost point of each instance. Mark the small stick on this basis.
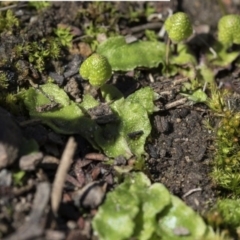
(30, 122)
(191, 191)
(165, 93)
(96, 157)
(179, 81)
(167, 51)
(175, 104)
(151, 78)
(12, 6)
(60, 177)
(152, 25)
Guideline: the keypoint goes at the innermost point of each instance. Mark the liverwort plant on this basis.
(97, 70)
(179, 28)
(228, 34)
(137, 209)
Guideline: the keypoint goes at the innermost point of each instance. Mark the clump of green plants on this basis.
(64, 35)
(134, 13)
(226, 167)
(230, 211)
(36, 53)
(3, 81)
(96, 13)
(8, 21)
(39, 5)
(113, 135)
(92, 32)
(228, 34)
(140, 210)
(98, 22)
(12, 101)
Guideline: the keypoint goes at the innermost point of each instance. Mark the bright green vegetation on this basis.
(178, 27)
(128, 126)
(114, 137)
(96, 69)
(140, 210)
(229, 29)
(227, 165)
(39, 5)
(64, 35)
(8, 21)
(125, 57)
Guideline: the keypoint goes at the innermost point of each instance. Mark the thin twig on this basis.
(30, 122)
(96, 157)
(167, 50)
(152, 25)
(12, 6)
(191, 191)
(175, 104)
(151, 78)
(179, 81)
(166, 92)
(24, 189)
(33, 229)
(60, 177)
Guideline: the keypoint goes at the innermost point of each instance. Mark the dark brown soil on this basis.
(180, 148)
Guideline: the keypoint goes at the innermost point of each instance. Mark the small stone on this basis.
(90, 196)
(10, 139)
(31, 161)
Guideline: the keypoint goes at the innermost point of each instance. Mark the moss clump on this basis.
(8, 21)
(227, 166)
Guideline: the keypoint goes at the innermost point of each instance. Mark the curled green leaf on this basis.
(125, 57)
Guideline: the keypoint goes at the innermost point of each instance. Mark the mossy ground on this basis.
(181, 149)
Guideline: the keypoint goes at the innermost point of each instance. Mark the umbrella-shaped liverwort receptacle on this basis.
(229, 30)
(96, 69)
(178, 27)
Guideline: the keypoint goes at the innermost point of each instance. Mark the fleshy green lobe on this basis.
(125, 57)
(138, 210)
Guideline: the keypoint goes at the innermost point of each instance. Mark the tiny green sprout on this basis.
(96, 69)
(178, 27)
(229, 29)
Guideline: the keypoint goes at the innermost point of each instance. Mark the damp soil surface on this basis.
(180, 149)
